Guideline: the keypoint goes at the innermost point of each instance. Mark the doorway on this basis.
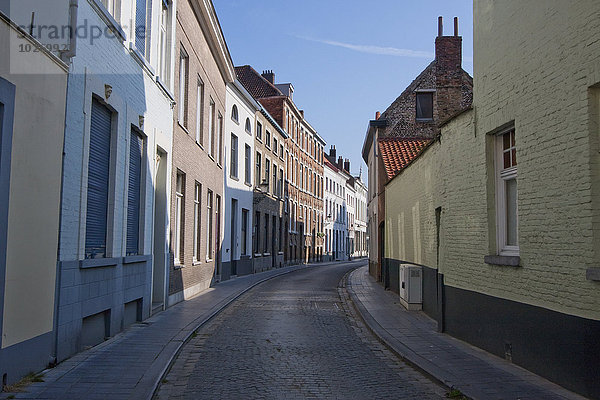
(159, 261)
(234, 204)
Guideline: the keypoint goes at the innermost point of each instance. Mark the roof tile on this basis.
(398, 153)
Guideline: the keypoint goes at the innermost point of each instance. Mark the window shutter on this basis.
(98, 173)
(136, 148)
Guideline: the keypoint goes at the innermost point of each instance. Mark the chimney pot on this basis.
(269, 75)
(455, 26)
(347, 165)
(340, 162)
(377, 115)
(440, 27)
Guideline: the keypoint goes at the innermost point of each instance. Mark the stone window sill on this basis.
(593, 274)
(509, 261)
(99, 262)
(136, 259)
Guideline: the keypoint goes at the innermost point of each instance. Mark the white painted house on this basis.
(240, 121)
(117, 157)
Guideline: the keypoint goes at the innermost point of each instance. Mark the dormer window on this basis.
(424, 105)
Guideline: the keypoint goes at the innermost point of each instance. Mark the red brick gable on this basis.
(397, 153)
(255, 84)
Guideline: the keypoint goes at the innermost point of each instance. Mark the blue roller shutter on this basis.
(143, 18)
(98, 174)
(136, 148)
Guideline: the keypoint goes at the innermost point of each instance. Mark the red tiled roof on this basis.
(397, 153)
(255, 84)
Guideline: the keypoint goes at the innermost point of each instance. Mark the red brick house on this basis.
(406, 127)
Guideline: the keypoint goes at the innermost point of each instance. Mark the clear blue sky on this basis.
(345, 58)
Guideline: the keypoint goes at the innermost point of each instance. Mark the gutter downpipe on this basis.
(66, 58)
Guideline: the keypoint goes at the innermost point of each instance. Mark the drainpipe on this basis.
(67, 55)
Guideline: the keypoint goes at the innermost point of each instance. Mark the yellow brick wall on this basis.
(537, 63)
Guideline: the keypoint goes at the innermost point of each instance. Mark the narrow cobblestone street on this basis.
(292, 337)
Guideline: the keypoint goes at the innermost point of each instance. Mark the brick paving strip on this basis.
(414, 337)
(131, 364)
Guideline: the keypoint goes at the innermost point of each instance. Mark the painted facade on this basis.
(33, 87)
(239, 172)
(360, 218)
(203, 68)
(502, 210)
(117, 150)
(268, 218)
(337, 235)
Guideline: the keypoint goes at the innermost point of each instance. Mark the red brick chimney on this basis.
(347, 165)
(269, 75)
(448, 49)
(377, 115)
(340, 162)
(449, 73)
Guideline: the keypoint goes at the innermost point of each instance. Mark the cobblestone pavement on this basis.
(292, 338)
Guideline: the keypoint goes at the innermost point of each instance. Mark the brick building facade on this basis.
(203, 67)
(304, 160)
(442, 90)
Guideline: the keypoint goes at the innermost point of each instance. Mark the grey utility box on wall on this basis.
(411, 286)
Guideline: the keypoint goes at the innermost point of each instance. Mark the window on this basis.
(275, 190)
(234, 114)
(179, 217)
(258, 172)
(275, 148)
(424, 105)
(209, 225)
(197, 221)
(114, 8)
(234, 157)
(506, 194)
(183, 87)
(281, 151)
(247, 165)
(280, 234)
(244, 232)
(219, 140)
(98, 181)
(164, 50)
(267, 138)
(266, 236)
(257, 232)
(258, 130)
(134, 186)
(211, 128)
(249, 126)
(267, 173)
(199, 111)
(280, 183)
(143, 26)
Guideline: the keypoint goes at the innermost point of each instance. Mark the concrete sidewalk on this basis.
(413, 335)
(131, 364)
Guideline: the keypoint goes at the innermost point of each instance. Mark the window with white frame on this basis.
(233, 169)
(164, 49)
(258, 130)
(219, 139)
(199, 111)
(507, 219)
(114, 8)
(248, 126)
(197, 221)
(247, 165)
(209, 225)
(179, 217)
(234, 114)
(183, 86)
(211, 128)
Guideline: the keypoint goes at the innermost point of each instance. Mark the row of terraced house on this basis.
(487, 188)
(138, 167)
